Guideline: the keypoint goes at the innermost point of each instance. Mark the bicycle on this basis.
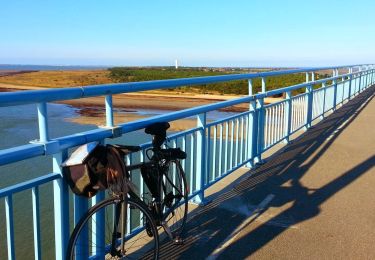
(125, 238)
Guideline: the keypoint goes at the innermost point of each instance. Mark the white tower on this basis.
(176, 64)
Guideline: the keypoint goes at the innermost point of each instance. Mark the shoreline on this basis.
(92, 110)
(156, 100)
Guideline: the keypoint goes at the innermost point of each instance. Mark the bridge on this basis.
(268, 172)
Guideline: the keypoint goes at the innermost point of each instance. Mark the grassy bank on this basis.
(52, 79)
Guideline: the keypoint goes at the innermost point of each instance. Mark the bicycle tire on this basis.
(176, 209)
(132, 247)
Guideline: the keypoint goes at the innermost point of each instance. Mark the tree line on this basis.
(240, 87)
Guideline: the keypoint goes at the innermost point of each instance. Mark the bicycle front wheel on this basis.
(175, 200)
(98, 233)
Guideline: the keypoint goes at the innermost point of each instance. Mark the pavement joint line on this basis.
(254, 214)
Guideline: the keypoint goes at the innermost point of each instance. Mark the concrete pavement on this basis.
(313, 200)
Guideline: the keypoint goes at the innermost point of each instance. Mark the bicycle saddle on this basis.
(159, 128)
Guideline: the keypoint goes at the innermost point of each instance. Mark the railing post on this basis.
(80, 208)
(309, 104)
(260, 139)
(343, 90)
(43, 122)
(98, 227)
(61, 208)
(350, 86)
(288, 116)
(334, 82)
(263, 84)
(250, 86)
(253, 132)
(201, 159)
(109, 110)
(324, 100)
(250, 123)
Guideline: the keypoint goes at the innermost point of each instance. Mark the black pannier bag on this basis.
(94, 167)
(85, 170)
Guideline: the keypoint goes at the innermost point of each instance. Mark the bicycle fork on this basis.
(120, 212)
(124, 214)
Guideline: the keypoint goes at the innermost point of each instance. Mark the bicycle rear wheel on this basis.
(175, 199)
(98, 233)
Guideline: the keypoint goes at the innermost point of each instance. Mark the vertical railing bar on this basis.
(231, 145)
(220, 149)
(291, 102)
(142, 158)
(280, 122)
(273, 125)
(10, 227)
(174, 145)
(266, 127)
(129, 161)
(214, 154)
(237, 140)
(247, 136)
(296, 113)
(183, 144)
(277, 107)
(303, 109)
(281, 129)
(300, 112)
(226, 146)
(192, 153)
(241, 139)
(36, 223)
(208, 155)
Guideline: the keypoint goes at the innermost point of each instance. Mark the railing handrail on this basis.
(58, 94)
(27, 151)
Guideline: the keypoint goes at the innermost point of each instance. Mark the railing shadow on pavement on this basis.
(209, 226)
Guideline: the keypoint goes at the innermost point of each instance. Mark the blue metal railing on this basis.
(215, 148)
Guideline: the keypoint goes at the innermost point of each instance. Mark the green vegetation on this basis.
(120, 74)
(53, 79)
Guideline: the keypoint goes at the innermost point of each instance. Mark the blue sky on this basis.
(196, 32)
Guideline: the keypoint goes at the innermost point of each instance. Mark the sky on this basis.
(244, 33)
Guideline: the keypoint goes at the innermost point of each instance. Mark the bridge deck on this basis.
(317, 196)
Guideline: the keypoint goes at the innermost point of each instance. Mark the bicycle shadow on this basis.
(209, 226)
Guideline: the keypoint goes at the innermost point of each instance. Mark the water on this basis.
(18, 125)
